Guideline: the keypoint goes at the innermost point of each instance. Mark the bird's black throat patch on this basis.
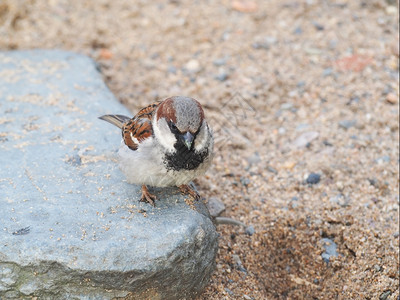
(183, 158)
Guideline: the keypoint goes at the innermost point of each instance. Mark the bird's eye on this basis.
(173, 127)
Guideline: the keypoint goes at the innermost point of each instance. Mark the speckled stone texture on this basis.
(71, 227)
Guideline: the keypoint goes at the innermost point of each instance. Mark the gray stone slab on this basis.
(70, 225)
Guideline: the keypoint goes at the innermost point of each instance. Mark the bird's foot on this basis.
(147, 197)
(187, 190)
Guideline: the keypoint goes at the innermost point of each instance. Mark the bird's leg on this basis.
(146, 196)
(186, 189)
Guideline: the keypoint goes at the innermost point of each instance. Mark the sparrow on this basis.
(167, 143)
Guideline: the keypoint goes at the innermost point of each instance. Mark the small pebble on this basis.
(302, 127)
(294, 202)
(301, 84)
(333, 44)
(226, 35)
(215, 206)
(354, 99)
(250, 230)
(293, 93)
(229, 291)
(381, 21)
(254, 158)
(222, 76)
(346, 124)
(318, 26)
(383, 159)
(373, 182)
(387, 89)
(245, 6)
(171, 69)
(339, 199)
(392, 98)
(327, 72)
(313, 178)
(330, 249)
(327, 143)
(155, 55)
(286, 106)
(105, 54)
(392, 10)
(245, 181)
(313, 51)
(305, 138)
(236, 259)
(272, 170)
(220, 62)
(298, 30)
(193, 66)
(289, 165)
(385, 295)
(265, 43)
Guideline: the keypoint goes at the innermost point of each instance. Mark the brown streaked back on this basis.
(136, 129)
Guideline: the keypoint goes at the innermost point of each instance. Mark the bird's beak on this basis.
(188, 139)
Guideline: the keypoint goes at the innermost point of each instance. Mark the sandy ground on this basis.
(291, 88)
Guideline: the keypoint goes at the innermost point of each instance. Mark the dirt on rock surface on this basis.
(303, 97)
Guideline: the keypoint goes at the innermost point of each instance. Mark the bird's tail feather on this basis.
(117, 120)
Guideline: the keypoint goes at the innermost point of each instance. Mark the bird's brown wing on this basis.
(139, 127)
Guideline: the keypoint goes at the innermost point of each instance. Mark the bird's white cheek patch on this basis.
(202, 138)
(163, 134)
